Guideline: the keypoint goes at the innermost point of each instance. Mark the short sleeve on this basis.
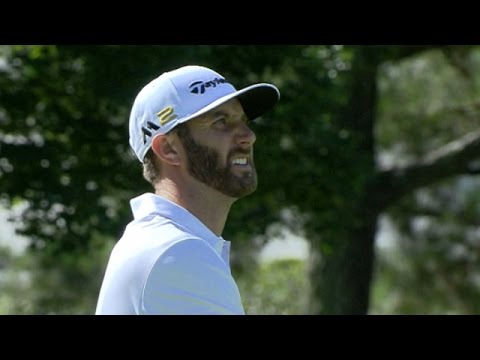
(190, 278)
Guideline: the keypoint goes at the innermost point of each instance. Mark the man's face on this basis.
(219, 147)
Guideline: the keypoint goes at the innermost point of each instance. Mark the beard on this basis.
(204, 165)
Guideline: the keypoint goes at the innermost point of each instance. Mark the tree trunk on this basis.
(341, 273)
(341, 280)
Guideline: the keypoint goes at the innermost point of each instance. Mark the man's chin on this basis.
(243, 191)
(240, 191)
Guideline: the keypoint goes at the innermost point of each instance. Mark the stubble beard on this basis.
(204, 165)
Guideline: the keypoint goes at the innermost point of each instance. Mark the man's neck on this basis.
(207, 204)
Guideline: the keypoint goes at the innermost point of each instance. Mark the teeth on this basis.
(240, 161)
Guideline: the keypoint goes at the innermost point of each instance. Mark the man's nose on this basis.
(245, 135)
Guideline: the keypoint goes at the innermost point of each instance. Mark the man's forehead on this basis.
(231, 107)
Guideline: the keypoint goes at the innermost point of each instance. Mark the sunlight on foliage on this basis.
(276, 288)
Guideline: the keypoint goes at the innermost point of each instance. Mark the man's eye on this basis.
(220, 121)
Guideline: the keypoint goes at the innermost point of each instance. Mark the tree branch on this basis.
(454, 158)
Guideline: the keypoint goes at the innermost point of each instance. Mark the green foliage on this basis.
(276, 288)
(427, 101)
(66, 284)
(434, 267)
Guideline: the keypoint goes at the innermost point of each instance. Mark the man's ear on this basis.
(165, 147)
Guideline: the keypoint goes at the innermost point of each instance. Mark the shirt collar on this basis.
(151, 204)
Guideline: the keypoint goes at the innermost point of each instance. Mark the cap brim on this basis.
(256, 100)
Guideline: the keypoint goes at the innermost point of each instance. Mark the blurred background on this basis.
(368, 199)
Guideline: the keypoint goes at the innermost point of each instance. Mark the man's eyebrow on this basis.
(210, 115)
(220, 113)
(226, 114)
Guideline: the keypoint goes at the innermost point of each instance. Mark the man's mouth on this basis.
(240, 161)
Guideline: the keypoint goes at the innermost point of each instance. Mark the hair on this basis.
(151, 167)
(151, 170)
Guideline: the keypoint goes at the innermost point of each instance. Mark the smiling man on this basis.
(190, 129)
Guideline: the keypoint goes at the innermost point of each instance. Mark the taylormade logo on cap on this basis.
(185, 93)
(198, 87)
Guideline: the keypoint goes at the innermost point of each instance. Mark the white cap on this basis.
(185, 93)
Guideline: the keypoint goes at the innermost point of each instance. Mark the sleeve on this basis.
(190, 278)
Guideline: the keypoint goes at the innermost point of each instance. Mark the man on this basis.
(189, 128)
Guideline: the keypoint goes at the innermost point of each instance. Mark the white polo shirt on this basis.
(168, 262)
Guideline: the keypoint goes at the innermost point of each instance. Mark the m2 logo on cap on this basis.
(199, 87)
(164, 116)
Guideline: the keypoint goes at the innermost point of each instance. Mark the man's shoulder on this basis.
(155, 226)
(141, 247)
(190, 247)
(164, 235)
(189, 260)
(190, 278)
